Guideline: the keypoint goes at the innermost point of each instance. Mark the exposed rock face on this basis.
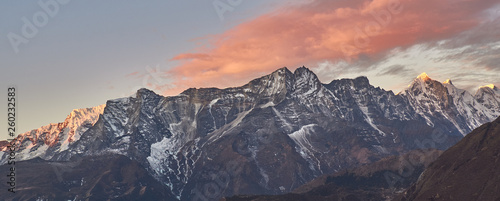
(381, 180)
(466, 171)
(269, 136)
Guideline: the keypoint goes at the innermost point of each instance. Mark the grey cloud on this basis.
(399, 70)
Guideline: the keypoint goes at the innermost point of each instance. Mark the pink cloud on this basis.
(135, 73)
(191, 56)
(322, 31)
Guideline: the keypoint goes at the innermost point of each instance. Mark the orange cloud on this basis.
(322, 31)
(191, 56)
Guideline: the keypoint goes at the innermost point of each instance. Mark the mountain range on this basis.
(269, 136)
(466, 171)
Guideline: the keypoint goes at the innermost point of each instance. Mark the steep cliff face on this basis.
(268, 136)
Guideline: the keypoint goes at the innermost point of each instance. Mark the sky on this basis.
(67, 54)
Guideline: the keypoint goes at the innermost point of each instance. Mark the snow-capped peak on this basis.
(420, 83)
(78, 115)
(489, 96)
(52, 138)
(490, 90)
(430, 97)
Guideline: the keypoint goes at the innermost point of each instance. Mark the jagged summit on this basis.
(306, 75)
(145, 91)
(284, 74)
(283, 70)
(488, 90)
(305, 72)
(82, 112)
(424, 77)
(448, 81)
(420, 81)
(302, 69)
(362, 81)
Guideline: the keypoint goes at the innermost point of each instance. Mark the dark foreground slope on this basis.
(470, 170)
(107, 177)
(377, 181)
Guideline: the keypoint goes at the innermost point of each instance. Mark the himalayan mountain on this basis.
(269, 136)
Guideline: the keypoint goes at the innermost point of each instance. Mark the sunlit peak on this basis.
(491, 86)
(448, 81)
(424, 76)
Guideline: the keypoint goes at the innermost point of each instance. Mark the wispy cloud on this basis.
(480, 45)
(398, 70)
(345, 31)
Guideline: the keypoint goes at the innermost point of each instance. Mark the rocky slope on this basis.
(466, 171)
(381, 180)
(105, 177)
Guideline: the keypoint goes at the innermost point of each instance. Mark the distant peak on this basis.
(421, 82)
(424, 77)
(302, 70)
(84, 112)
(448, 81)
(491, 86)
(362, 79)
(281, 72)
(144, 90)
(146, 93)
(283, 69)
(362, 82)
